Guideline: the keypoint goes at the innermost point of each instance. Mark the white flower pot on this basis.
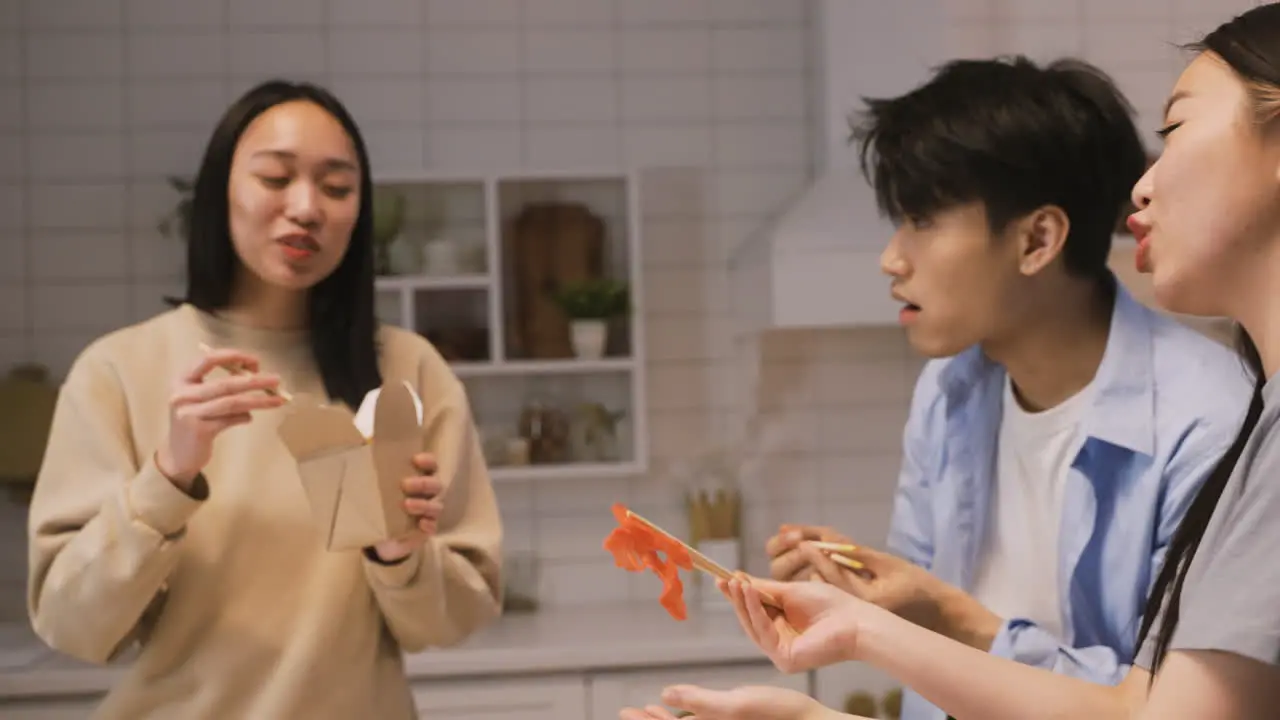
(589, 338)
(442, 258)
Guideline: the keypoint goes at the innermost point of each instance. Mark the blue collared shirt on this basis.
(1167, 402)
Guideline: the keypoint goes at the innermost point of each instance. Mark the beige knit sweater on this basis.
(239, 610)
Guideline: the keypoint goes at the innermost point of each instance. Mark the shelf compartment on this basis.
(432, 229)
(530, 423)
(456, 322)
(468, 310)
(554, 232)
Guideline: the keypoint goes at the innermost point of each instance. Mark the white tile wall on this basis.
(103, 98)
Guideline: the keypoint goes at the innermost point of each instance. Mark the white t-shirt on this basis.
(1017, 572)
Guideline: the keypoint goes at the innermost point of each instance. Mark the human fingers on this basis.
(422, 486)
(781, 542)
(705, 703)
(424, 508)
(187, 394)
(764, 625)
(227, 406)
(779, 589)
(790, 565)
(789, 536)
(428, 526)
(874, 560)
(225, 358)
(733, 590)
(425, 462)
(834, 573)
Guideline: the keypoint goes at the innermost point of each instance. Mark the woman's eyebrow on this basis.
(329, 163)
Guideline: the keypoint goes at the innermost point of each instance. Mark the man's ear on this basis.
(1041, 236)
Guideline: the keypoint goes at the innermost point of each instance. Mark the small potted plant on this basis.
(590, 305)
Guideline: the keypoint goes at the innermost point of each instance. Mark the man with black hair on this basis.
(1060, 428)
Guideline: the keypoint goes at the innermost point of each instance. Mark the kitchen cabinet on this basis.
(567, 696)
(592, 695)
(615, 690)
(556, 698)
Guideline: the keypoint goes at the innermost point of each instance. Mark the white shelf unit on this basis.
(453, 306)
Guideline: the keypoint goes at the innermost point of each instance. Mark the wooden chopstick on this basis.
(702, 562)
(848, 562)
(237, 370)
(835, 547)
(835, 552)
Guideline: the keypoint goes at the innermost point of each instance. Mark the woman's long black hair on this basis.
(1250, 45)
(341, 317)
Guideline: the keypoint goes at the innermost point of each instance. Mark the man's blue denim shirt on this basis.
(1168, 402)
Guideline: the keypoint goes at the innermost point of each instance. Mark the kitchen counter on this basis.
(562, 640)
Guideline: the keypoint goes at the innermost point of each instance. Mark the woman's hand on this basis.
(422, 501)
(200, 409)
(817, 624)
(744, 703)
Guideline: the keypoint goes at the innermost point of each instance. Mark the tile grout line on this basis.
(128, 132)
(24, 132)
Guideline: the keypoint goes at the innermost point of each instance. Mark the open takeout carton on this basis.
(353, 465)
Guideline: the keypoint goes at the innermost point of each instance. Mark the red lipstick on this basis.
(1141, 233)
(299, 247)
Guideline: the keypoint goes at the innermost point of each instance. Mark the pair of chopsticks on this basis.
(702, 562)
(836, 551)
(240, 370)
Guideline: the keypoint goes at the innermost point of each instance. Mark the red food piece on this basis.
(635, 547)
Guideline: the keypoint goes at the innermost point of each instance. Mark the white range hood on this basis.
(818, 263)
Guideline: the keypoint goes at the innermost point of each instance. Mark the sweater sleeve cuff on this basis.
(156, 502)
(401, 574)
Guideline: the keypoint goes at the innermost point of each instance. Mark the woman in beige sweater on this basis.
(170, 516)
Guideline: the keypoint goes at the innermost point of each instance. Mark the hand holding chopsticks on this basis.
(200, 408)
(700, 561)
(241, 368)
(838, 552)
(638, 545)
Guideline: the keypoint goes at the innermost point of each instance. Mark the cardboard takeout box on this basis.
(353, 478)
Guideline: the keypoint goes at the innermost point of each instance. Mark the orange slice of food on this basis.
(636, 547)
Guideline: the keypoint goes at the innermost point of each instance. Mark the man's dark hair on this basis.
(1013, 136)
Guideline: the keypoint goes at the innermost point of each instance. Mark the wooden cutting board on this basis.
(549, 244)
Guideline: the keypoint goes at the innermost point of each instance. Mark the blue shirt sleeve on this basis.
(1025, 642)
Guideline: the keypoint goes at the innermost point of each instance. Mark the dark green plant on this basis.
(178, 220)
(593, 299)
